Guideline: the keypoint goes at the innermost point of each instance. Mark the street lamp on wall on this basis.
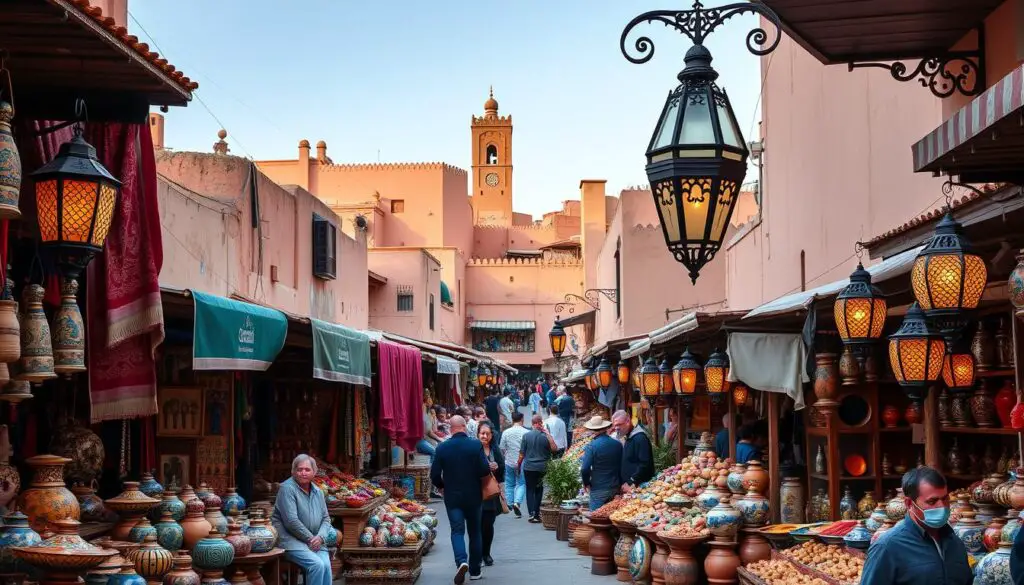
(557, 339)
(697, 157)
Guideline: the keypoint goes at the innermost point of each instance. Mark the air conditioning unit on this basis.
(325, 248)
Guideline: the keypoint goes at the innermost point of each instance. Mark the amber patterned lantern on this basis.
(860, 310)
(604, 373)
(685, 374)
(623, 373)
(715, 373)
(947, 278)
(666, 386)
(637, 385)
(482, 375)
(650, 378)
(739, 394)
(588, 379)
(958, 371)
(557, 339)
(916, 354)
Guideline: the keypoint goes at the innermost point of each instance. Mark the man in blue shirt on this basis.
(535, 399)
(637, 453)
(549, 393)
(722, 438)
(566, 407)
(751, 444)
(602, 464)
(922, 548)
(459, 465)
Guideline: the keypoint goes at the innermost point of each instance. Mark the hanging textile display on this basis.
(771, 362)
(340, 354)
(401, 393)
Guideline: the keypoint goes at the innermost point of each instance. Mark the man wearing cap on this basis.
(602, 463)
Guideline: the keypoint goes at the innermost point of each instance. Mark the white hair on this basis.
(303, 458)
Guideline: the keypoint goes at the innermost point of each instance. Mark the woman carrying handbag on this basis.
(494, 505)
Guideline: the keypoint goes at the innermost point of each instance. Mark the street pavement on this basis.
(524, 554)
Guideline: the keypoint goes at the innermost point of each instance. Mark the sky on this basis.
(398, 80)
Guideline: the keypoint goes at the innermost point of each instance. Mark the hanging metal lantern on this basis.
(958, 370)
(483, 373)
(68, 331)
(623, 373)
(637, 385)
(650, 378)
(715, 372)
(588, 379)
(666, 387)
(604, 374)
(947, 278)
(916, 354)
(739, 394)
(685, 372)
(860, 310)
(75, 201)
(557, 339)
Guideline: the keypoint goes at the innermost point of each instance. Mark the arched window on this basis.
(492, 154)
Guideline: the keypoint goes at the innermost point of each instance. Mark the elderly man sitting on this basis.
(301, 519)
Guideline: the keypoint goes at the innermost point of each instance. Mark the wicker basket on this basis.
(748, 578)
(549, 517)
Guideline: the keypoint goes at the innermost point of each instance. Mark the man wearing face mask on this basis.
(921, 549)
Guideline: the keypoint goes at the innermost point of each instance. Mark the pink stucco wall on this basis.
(209, 243)
(411, 267)
(837, 170)
(1004, 49)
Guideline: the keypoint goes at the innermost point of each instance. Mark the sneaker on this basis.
(476, 577)
(460, 574)
(488, 561)
(534, 520)
(515, 508)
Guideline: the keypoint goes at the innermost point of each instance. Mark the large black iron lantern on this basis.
(622, 371)
(650, 378)
(947, 278)
(605, 373)
(685, 372)
(666, 386)
(958, 371)
(557, 339)
(860, 310)
(715, 371)
(697, 157)
(75, 200)
(916, 354)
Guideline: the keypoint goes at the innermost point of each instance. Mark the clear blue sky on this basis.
(402, 78)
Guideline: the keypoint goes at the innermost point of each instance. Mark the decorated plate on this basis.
(640, 559)
(855, 465)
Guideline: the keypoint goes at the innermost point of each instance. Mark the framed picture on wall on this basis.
(180, 411)
(175, 470)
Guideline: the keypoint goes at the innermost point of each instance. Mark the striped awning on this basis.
(504, 325)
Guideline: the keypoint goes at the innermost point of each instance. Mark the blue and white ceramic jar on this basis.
(754, 508)
(724, 520)
(126, 576)
(263, 539)
(859, 537)
(233, 502)
(708, 499)
(735, 479)
(169, 534)
(150, 486)
(16, 532)
(994, 568)
(141, 530)
(170, 502)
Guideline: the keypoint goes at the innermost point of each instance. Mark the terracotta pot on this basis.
(181, 571)
(755, 478)
(681, 568)
(47, 499)
(584, 532)
(913, 414)
(849, 368)
(826, 379)
(195, 525)
(10, 332)
(659, 559)
(68, 332)
(601, 547)
(890, 416)
(1016, 492)
(623, 547)
(721, 563)
(151, 560)
(131, 505)
(983, 409)
(1004, 402)
(753, 547)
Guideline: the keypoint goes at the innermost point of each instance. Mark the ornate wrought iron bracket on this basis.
(699, 22)
(951, 72)
(591, 297)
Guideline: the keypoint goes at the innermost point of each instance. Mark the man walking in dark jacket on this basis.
(637, 453)
(459, 465)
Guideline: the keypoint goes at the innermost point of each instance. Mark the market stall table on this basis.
(374, 565)
(252, 563)
(353, 520)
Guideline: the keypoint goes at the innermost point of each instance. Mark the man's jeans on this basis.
(515, 485)
(463, 520)
(424, 447)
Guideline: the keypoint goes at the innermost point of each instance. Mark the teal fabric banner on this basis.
(232, 335)
(340, 354)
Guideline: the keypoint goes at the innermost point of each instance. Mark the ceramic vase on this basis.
(708, 499)
(1004, 402)
(913, 414)
(601, 548)
(826, 380)
(187, 493)
(131, 505)
(848, 506)
(10, 328)
(195, 524)
(859, 537)
(895, 509)
(640, 559)
(169, 534)
(91, 506)
(849, 368)
(243, 545)
(47, 499)
(754, 508)
(983, 409)
(994, 568)
(262, 538)
(724, 520)
(150, 486)
(953, 458)
(993, 533)
(151, 560)
(233, 502)
(877, 517)
(970, 532)
(126, 576)
(721, 563)
(623, 546)
(10, 165)
(886, 525)
(202, 490)
(1004, 346)
(960, 409)
(36, 363)
(141, 530)
(755, 478)
(15, 532)
(1015, 495)
(181, 571)
(890, 416)
(68, 331)
(213, 553)
(945, 419)
(213, 514)
(791, 497)
(983, 349)
(866, 505)
(735, 479)
(1016, 282)
(1011, 527)
(753, 546)
(169, 502)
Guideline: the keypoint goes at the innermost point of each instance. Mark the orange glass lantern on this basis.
(557, 338)
(947, 278)
(650, 378)
(958, 371)
(916, 354)
(623, 373)
(666, 385)
(860, 310)
(739, 394)
(604, 374)
(685, 372)
(637, 385)
(588, 379)
(715, 371)
(482, 375)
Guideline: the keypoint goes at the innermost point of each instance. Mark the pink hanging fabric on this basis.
(401, 388)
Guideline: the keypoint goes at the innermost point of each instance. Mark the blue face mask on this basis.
(934, 517)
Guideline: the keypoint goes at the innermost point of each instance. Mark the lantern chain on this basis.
(699, 22)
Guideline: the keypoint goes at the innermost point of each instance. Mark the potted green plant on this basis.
(562, 480)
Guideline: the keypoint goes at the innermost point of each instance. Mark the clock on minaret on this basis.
(492, 165)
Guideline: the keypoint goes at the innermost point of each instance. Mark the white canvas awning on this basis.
(669, 332)
(889, 268)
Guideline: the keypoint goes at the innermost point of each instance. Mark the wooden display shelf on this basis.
(978, 430)
(965, 476)
(895, 429)
(997, 373)
(353, 520)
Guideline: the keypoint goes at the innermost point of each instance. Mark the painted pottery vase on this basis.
(960, 409)
(240, 578)
(866, 505)
(36, 363)
(849, 367)
(754, 508)
(640, 559)
(945, 417)
(721, 563)
(91, 506)
(890, 416)
(871, 367)
(141, 530)
(214, 578)
(169, 502)
(68, 332)
(983, 349)
(859, 537)
(187, 493)
(65, 535)
(243, 545)
(131, 505)
(195, 524)
(10, 165)
(724, 520)
(101, 575)
(791, 496)
(1004, 402)
(819, 461)
(623, 546)
(126, 576)
(181, 571)
(150, 486)
(213, 553)
(708, 499)
(970, 531)
(826, 380)
(169, 534)
(953, 458)
(735, 479)
(913, 414)
(16, 532)
(877, 517)
(262, 538)
(233, 502)
(957, 507)
(10, 479)
(47, 499)
(848, 506)
(983, 409)
(755, 478)
(203, 489)
(994, 568)
(213, 514)
(895, 509)
(886, 525)
(1004, 346)
(151, 560)
(83, 447)
(1012, 526)
(10, 328)
(1016, 282)
(1015, 494)
(332, 537)
(993, 532)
